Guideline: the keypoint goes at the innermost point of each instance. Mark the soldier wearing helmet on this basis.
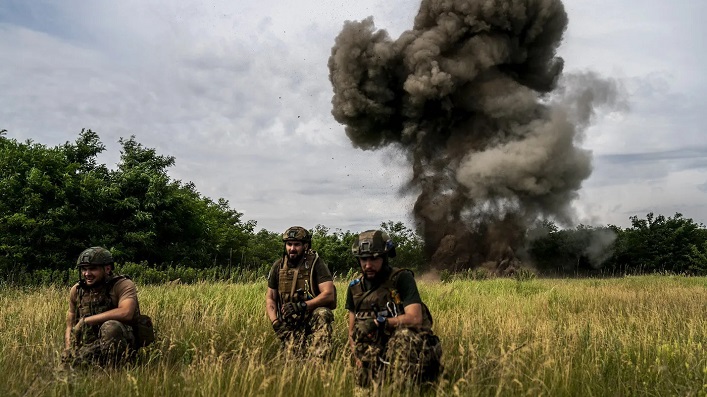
(103, 308)
(301, 296)
(390, 328)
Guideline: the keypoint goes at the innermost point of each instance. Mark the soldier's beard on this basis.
(294, 259)
(381, 275)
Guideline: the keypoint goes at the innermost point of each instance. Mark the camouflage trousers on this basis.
(311, 337)
(111, 344)
(409, 355)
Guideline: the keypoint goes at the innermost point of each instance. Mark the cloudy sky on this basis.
(238, 92)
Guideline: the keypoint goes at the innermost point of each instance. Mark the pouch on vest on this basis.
(144, 331)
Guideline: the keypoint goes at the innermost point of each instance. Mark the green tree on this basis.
(570, 251)
(657, 244)
(42, 201)
(54, 202)
(334, 247)
(409, 247)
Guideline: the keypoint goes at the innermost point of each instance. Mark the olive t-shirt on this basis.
(405, 285)
(122, 289)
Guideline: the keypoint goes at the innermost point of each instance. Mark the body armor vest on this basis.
(296, 283)
(367, 304)
(95, 300)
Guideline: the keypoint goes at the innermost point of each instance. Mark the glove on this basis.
(294, 310)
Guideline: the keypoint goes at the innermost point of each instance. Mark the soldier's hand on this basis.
(292, 309)
(79, 326)
(368, 327)
(280, 328)
(66, 355)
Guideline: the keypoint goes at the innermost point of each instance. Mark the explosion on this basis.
(474, 96)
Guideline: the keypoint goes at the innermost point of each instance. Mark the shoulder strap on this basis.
(294, 282)
(79, 298)
(311, 273)
(360, 285)
(393, 278)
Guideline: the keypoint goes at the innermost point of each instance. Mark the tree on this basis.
(409, 247)
(334, 247)
(46, 197)
(54, 202)
(657, 243)
(570, 251)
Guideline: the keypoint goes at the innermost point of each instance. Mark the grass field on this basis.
(589, 337)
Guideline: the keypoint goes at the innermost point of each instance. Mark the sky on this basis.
(239, 93)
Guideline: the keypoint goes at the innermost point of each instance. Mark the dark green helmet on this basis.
(373, 243)
(95, 256)
(297, 233)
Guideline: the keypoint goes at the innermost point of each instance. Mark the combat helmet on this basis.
(98, 256)
(297, 233)
(373, 243)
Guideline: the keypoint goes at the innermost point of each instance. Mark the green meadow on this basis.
(627, 336)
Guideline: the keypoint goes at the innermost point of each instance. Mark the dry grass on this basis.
(630, 336)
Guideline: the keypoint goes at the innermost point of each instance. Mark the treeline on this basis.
(56, 201)
(655, 244)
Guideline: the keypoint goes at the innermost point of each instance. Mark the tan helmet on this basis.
(98, 256)
(373, 243)
(297, 233)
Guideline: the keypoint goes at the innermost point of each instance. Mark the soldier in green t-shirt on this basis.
(301, 296)
(390, 328)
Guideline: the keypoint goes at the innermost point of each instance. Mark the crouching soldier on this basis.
(389, 326)
(104, 315)
(301, 296)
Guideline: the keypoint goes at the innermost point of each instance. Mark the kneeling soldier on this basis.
(301, 296)
(390, 328)
(103, 310)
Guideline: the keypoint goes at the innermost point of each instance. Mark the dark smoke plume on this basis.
(471, 96)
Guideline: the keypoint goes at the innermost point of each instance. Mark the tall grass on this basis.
(632, 336)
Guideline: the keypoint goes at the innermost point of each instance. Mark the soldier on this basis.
(103, 308)
(389, 326)
(301, 296)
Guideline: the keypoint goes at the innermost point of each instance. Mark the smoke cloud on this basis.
(474, 96)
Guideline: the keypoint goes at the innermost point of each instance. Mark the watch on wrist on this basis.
(381, 320)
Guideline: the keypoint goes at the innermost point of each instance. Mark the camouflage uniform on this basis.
(405, 353)
(310, 337)
(311, 333)
(108, 343)
(401, 354)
